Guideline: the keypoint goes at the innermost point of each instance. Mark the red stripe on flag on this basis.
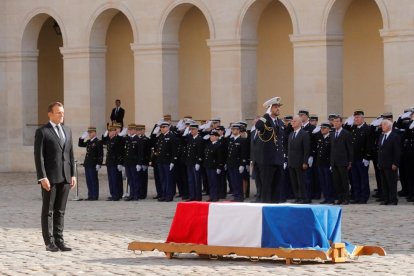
(190, 223)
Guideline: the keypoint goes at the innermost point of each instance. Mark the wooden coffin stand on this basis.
(336, 254)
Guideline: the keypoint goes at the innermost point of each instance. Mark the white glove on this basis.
(330, 168)
(144, 168)
(156, 130)
(412, 125)
(316, 130)
(228, 132)
(98, 167)
(248, 168)
(225, 167)
(206, 137)
(350, 121)
(171, 166)
(119, 167)
(366, 162)
(197, 167)
(218, 171)
(285, 165)
(241, 169)
(186, 131)
(406, 115)
(139, 167)
(84, 135)
(106, 133)
(123, 132)
(310, 161)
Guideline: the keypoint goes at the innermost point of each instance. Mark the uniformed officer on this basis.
(224, 142)
(236, 162)
(361, 141)
(167, 156)
(194, 160)
(245, 135)
(114, 163)
(314, 119)
(271, 133)
(323, 163)
(213, 162)
(93, 161)
(131, 162)
(144, 152)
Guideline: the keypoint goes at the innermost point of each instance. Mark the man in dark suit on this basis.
(118, 113)
(389, 154)
(256, 148)
(341, 160)
(54, 160)
(298, 155)
(271, 133)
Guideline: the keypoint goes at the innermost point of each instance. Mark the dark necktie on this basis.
(383, 140)
(60, 134)
(336, 134)
(294, 135)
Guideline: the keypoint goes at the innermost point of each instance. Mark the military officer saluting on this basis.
(93, 161)
(114, 163)
(213, 163)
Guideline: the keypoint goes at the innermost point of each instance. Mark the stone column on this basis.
(77, 91)
(156, 88)
(318, 73)
(398, 70)
(233, 79)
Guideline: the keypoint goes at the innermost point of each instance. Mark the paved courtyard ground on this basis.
(100, 231)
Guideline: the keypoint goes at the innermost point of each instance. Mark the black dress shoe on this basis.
(109, 199)
(324, 202)
(393, 203)
(63, 247)
(338, 202)
(352, 201)
(161, 199)
(156, 197)
(384, 203)
(345, 202)
(52, 247)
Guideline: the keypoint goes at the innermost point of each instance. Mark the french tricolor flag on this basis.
(256, 225)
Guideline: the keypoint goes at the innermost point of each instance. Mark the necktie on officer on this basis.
(61, 136)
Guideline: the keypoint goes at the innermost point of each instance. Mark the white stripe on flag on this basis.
(235, 224)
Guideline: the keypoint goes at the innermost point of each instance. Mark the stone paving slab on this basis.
(99, 232)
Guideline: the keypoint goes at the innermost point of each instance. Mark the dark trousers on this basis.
(133, 181)
(182, 180)
(409, 165)
(271, 176)
(377, 175)
(341, 182)
(325, 180)
(257, 179)
(222, 185)
(157, 181)
(213, 180)
(92, 182)
(143, 191)
(389, 180)
(204, 179)
(194, 183)
(236, 182)
(308, 183)
(298, 183)
(403, 174)
(113, 181)
(360, 182)
(53, 212)
(167, 184)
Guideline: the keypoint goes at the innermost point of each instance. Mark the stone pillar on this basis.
(318, 73)
(97, 76)
(155, 93)
(233, 79)
(77, 93)
(398, 70)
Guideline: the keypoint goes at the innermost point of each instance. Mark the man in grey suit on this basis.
(298, 155)
(53, 153)
(341, 160)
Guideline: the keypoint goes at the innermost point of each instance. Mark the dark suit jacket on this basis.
(52, 160)
(256, 147)
(272, 135)
(341, 148)
(118, 116)
(389, 153)
(298, 149)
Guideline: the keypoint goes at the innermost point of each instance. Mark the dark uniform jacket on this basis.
(298, 149)
(237, 152)
(94, 152)
(213, 156)
(166, 149)
(118, 116)
(389, 152)
(194, 150)
(143, 150)
(114, 148)
(362, 141)
(53, 160)
(323, 151)
(130, 152)
(272, 135)
(341, 148)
